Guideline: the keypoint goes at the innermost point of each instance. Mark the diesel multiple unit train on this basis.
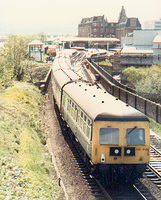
(112, 136)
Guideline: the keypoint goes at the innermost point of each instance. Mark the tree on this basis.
(134, 75)
(14, 51)
(34, 71)
(146, 81)
(152, 82)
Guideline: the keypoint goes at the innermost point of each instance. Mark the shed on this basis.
(36, 50)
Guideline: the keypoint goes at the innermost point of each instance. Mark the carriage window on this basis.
(135, 136)
(82, 114)
(89, 122)
(109, 136)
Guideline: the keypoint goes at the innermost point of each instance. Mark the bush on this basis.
(34, 71)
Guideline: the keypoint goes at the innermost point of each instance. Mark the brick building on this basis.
(98, 26)
(92, 27)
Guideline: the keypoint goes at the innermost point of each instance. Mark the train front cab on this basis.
(122, 147)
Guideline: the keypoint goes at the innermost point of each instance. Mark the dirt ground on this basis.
(68, 172)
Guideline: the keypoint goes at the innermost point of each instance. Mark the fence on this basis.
(126, 94)
(45, 83)
(118, 90)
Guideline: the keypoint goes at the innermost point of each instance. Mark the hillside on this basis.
(25, 164)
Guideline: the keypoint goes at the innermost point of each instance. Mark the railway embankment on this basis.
(25, 163)
(68, 170)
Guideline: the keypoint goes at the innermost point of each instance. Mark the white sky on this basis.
(63, 16)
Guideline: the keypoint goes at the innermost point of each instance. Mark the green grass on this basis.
(156, 127)
(105, 62)
(25, 164)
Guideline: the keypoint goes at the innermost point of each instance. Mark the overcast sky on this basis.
(63, 16)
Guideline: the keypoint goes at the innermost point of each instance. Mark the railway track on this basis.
(94, 185)
(119, 192)
(153, 170)
(98, 190)
(143, 191)
(126, 191)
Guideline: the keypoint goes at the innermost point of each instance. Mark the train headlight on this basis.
(115, 151)
(129, 151)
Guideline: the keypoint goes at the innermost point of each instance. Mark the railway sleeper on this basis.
(157, 182)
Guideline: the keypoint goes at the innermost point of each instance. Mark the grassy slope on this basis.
(24, 162)
(106, 62)
(156, 127)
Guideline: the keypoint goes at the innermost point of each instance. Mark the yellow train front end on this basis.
(121, 146)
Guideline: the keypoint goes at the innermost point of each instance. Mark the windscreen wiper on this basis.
(132, 130)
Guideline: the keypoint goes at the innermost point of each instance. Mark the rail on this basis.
(154, 168)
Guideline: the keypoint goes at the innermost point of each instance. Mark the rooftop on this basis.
(35, 42)
(157, 39)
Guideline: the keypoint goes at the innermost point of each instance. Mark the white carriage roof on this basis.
(100, 105)
(62, 70)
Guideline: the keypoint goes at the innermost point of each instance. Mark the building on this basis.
(126, 25)
(111, 29)
(98, 26)
(90, 42)
(36, 50)
(92, 27)
(143, 49)
(153, 25)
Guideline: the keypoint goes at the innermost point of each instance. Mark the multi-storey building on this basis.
(124, 29)
(153, 25)
(142, 50)
(98, 26)
(92, 27)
